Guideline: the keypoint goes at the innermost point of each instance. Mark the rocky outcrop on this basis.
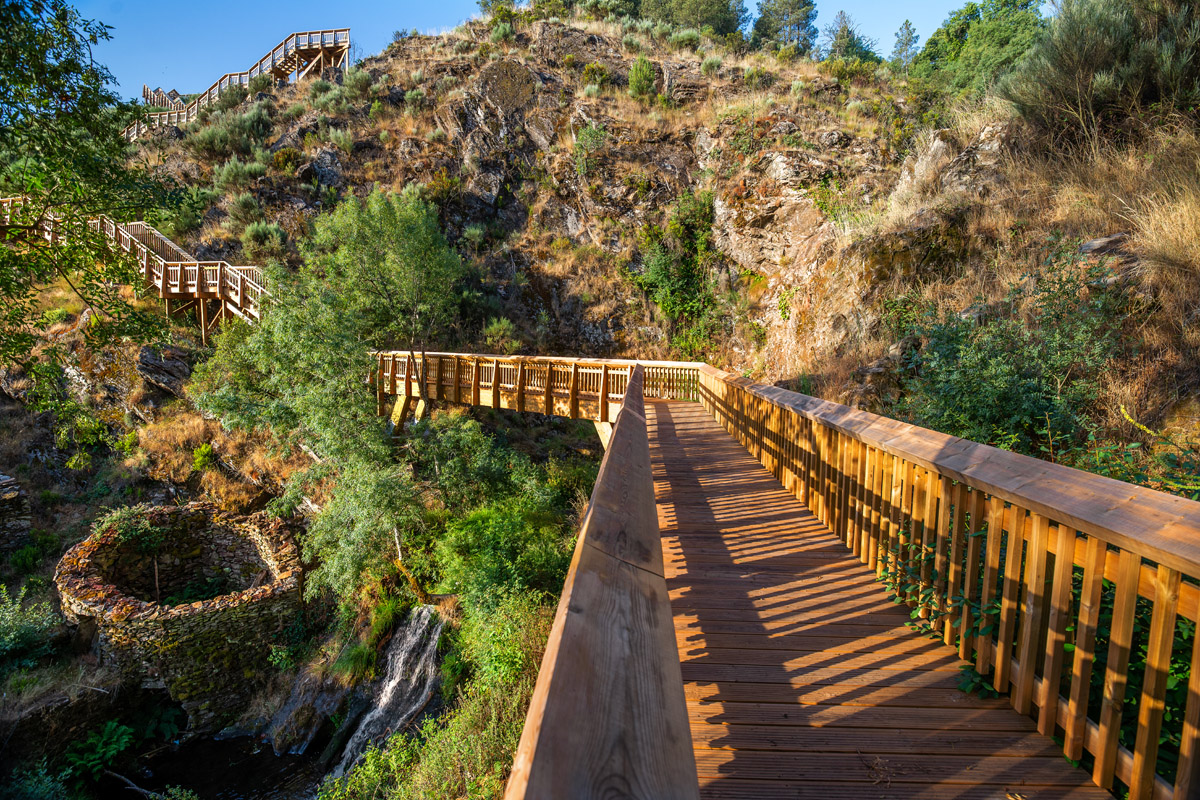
(167, 368)
(14, 515)
(325, 168)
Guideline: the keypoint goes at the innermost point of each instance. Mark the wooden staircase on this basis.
(296, 56)
(213, 290)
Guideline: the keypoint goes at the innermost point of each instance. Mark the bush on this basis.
(414, 98)
(37, 783)
(588, 140)
(264, 241)
(1103, 61)
(357, 85)
(342, 140)
(501, 32)
(204, 457)
(592, 90)
(231, 133)
(319, 87)
(632, 43)
(787, 54)
(236, 175)
(798, 87)
(710, 66)
(24, 632)
(88, 759)
(757, 78)
(229, 99)
(1028, 377)
(243, 210)
(686, 39)
(641, 78)
(847, 70)
(500, 335)
(596, 73)
(436, 136)
(55, 316)
(261, 83)
(286, 159)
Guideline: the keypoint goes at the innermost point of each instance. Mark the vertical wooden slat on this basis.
(1187, 774)
(573, 391)
(1009, 597)
(941, 560)
(475, 378)
(457, 379)
(495, 383)
(956, 552)
(1035, 598)
(521, 385)
(1056, 635)
(1116, 676)
(1090, 595)
(866, 498)
(1154, 686)
(548, 400)
(929, 540)
(914, 510)
(987, 591)
(603, 415)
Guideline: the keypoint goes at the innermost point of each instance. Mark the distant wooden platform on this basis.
(801, 677)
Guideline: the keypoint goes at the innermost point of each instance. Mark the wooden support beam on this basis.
(495, 383)
(521, 385)
(548, 399)
(603, 414)
(574, 391)
(475, 381)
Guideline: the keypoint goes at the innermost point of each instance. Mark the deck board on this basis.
(802, 680)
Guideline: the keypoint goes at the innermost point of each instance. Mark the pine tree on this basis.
(787, 22)
(843, 38)
(906, 46)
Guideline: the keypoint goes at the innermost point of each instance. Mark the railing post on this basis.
(548, 400)
(521, 385)
(573, 391)
(474, 381)
(495, 383)
(603, 415)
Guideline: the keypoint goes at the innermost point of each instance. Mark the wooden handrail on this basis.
(277, 59)
(941, 518)
(608, 715)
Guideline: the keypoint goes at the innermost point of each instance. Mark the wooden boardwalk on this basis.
(801, 677)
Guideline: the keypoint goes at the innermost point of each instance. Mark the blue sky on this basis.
(187, 46)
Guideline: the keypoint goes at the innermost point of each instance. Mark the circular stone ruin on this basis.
(185, 598)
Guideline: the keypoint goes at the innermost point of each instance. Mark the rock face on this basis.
(14, 515)
(167, 368)
(208, 654)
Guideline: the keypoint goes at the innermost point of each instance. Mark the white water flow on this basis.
(408, 683)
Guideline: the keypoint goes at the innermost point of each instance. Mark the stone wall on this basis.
(14, 515)
(208, 654)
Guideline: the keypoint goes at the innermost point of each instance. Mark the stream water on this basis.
(287, 762)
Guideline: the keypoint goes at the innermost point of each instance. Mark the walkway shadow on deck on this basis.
(802, 678)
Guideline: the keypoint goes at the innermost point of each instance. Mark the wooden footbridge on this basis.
(212, 290)
(738, 617)
(298, 55)
(737, 622)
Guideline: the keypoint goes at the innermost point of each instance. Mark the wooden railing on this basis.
(608, 716)
(1035, 571)
(173, 272)
(288, 57)
(580, 388)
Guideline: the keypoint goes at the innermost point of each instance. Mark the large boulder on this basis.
(167, 368)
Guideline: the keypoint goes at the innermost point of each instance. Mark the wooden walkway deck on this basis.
(802, 679)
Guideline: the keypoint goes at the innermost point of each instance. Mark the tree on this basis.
(787, 22)
(978, 44)
(61, 147)
(844, 39)
(721, 16)
(906, 46)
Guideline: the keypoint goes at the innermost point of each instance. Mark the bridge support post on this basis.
(604, 430)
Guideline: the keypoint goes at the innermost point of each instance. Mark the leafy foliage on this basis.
(641, 78)
(1025, 378)
(24, 632)
(787, 23)
(844, 39)
(719, 16)
(89, 758)
(978, 44)
(1103, 61)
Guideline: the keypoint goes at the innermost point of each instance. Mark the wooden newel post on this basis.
(474, 381)
(457, 379)
(548, 405)
(440, 368)
(410, 364)
(379, 385)
(521, 385)
(603, 415)
(395, 377)
(573, 391)
(495, 383)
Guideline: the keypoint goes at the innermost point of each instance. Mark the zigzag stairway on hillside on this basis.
(298, 55)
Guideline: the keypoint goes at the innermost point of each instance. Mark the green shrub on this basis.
(204, 457)
(231, 133)
(848, 70)
(236, 175)
(24, 632)
(357, 85)
(475, 234)
(1028, 377)
(437, 136)
(264, 241)
(243, 210)
(632, 43)
(788, 53)
(231, 98)
(38, 783)
(414, 99)
(596, 73)
(133, 528)
(710, 66)
(319, 87)
(286, 159)
(377, 111)
(55, 316)
(588, 140)
(89, 758)
(592, 90)
(342, 140)
(568, 61)
(686, 39)
(798, 87)
(294, 111)
(662, 30)
(757, 78)
(25, 560)
(261, 83)
(501, 32)
(1102, 61)
(641, 78)
(501, 336)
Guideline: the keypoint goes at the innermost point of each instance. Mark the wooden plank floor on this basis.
(801, 677)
